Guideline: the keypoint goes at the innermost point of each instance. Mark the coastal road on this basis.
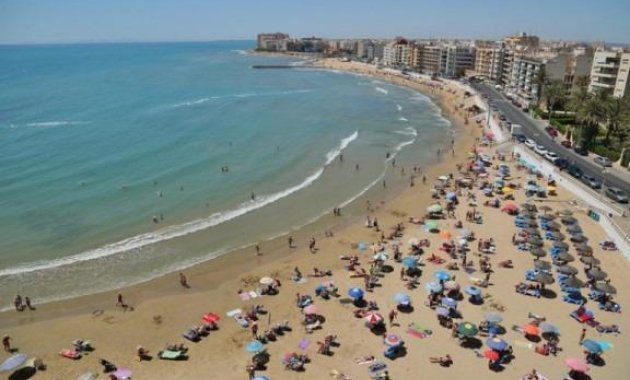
(609, 177)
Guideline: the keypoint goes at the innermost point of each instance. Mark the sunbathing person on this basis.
(142, 353)
(364, 359)
(444, 361)
(506, 264)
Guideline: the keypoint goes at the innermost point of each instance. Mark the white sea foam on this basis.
(343, 144)
(203, 100)
(409, 131)
(241, 52)
(50, 124)
(139, 241)
(399, 107)
(402, 119)
(382, 90)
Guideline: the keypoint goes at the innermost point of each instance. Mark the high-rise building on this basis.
(456, 59)
(396, 53)
(610, 71)
(430, 62)
(524, 76)
(272, 41)
(489, 62)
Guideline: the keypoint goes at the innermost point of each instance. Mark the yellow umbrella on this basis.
(507, 189)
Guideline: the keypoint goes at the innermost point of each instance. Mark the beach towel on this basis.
(234, 313)
(419, 327)
(416, 333)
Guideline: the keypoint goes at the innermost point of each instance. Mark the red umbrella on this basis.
(211, 318)
(373, 318)
(393, 340)
(492, 355)
(531, 330)
(576, 365)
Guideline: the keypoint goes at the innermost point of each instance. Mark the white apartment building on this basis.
(610, 71)
(489, 62)
(524, 73)
(456, 59)
(397, 53)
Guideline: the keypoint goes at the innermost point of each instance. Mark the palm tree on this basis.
(616, 111)
(554, 93)
(590, 114)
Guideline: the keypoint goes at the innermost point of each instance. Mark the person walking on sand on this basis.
(290, 241)
(119, 300)
(183, 280)
(251, 371)
(258, 250)
(27, 302)
(6, 343)
(393, 315)
(255, 330)
(311, 245)
(582, 336)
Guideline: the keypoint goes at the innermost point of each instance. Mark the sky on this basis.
(69, 21)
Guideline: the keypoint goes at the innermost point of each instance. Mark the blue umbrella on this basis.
(355, 292)
(254, 346)
(442, 275)
(494, 317)
(449, 302)
(409, 262)
(497, 344)
(320, 288)
(442, 311)
(473, 290)
(402, 299)
(362, 246)
(451, 195)
(381, 256)
(433, 287)
(531, 188)
(13, 362)
(592, 346)
(548, 328)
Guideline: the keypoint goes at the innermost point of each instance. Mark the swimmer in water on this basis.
(253, 196)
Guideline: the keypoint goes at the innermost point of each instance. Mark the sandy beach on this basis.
(162, 309)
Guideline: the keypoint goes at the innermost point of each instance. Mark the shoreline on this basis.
(233, 260)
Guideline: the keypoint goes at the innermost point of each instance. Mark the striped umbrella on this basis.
(393, 340)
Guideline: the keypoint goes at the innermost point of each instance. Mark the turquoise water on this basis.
(98, 140)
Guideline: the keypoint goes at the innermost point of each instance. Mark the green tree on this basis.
(540, 80)
(554, 93)
(589, 115)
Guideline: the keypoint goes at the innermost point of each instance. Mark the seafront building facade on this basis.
(610, 71)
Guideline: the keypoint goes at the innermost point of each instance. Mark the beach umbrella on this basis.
(451, 285)
(254, 346)
(431, 225)
(442, 275)
(449, 302)
(576, 365)
(564, 256)
(409, 262)
(122, 373)
(560, 245)
(88, 376)
(582, 247)
(545, 208)
(493, 317)
(542, 265)
(589, 260)
(509, 206)
(596, 274)
(355, 292)
(413, 241)
(473, 290)
(381, 256)
(592, 346)
(531, 330)
(467, 329)
(362, 246)
(535, 241)
(544, 278)
(464, 233)
(446, 235)
(566, 212)
(13, 362)
(433, 287)
(267, 281)
(606, 287)
(578, 238)
(393, 340)
(211, 318)
(605, 345)
(567, 269)
(573, 282)
(547, 217)
(310, 309)
(537, 252)
(261, 378)
(551, 226)
(440, 310)
(402, 299)
(557, 235)
(451, 195)
(491, 355)
(373, 318)
(574, 228)
(497, 344)
(548, 328)
(434, 208)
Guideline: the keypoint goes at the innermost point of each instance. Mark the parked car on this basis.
(502, 117)
(591, 181)
(530, 143)
(520, 138)
(551, 131)
(575, 171)
(566, 144)
(603, 161)
(540, 150)
(617, 194)
(580, 150)
(551, 156)
(562, 163)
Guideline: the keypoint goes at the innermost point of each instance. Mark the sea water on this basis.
(111, 154)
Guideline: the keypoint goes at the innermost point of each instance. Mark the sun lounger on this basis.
(70, 354)
(171, 355)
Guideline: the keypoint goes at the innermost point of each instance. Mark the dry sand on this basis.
(163, 309)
